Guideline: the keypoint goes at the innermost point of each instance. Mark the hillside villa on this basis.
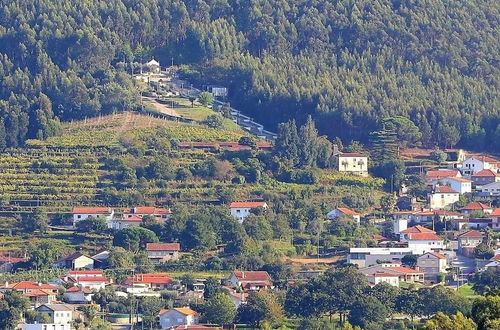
(343, 211)
(443, 196)
(352, 163)
(241, 210)
(83, 213)
(162, 252)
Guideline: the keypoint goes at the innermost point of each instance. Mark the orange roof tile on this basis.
(485, 173)
(252, 275)
(93, 279)
(163, 247)
(441, 174)
(247, 204)
(92, 210)
(27, 285)
(424, 237)
(444, 190)
(476, 206)
(496, 212)
(416, 229)
(182, 310)
(147, 210)
(347, 211)
(471, 233)
(437, 255)
(406, 270)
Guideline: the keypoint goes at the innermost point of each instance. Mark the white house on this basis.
(250, 280)
(460, 185)
(83, 213)
(491, 189)
(177, 316)
(57, 313)
(238, 298)
(364, 257)
(241, 210)
(153, 66)
(353, 163)
(343, 211)
(421, 240)
(161, 214)
(75, 261)
(92, 279)
(383, 277)
(162, 252)
(78, 295)
(442, 197)
(388, 272)
(124, 222)
(473, 165)
(218, 91)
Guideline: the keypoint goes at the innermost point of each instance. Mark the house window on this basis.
(238, 211)
(78, 216)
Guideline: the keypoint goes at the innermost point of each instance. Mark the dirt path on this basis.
(163, 108)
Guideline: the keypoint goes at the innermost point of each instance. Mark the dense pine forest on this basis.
(349, 64)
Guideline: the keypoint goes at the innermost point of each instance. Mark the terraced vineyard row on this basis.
(32, 177)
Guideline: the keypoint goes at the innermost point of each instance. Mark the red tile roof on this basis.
(182, 310)
(133, 218)
(471, 233)
(347, 211)
(416, 229)
(444, 190)
(476, 206)
(496, 212)
(382, 274)
(406, 270)
(441, 174)
(163, 247)
(93, 279)
(424, 237)
(78, 289)
(29, 285)
(92, 210)
(147, 210)
(252, 275)
(247, 204)
(379, 238)
(437, 255)
(39, 293)
(151, 278)
(485, 173)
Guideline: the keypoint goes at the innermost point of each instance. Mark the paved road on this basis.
(247, 123)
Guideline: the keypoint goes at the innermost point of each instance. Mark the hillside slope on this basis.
(349, 64)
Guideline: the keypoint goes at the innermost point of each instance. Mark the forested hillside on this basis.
(349, 64)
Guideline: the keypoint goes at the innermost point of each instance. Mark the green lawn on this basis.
(199, 112)
(467, 292)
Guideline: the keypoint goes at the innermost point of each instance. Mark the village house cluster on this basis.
(61, 300)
